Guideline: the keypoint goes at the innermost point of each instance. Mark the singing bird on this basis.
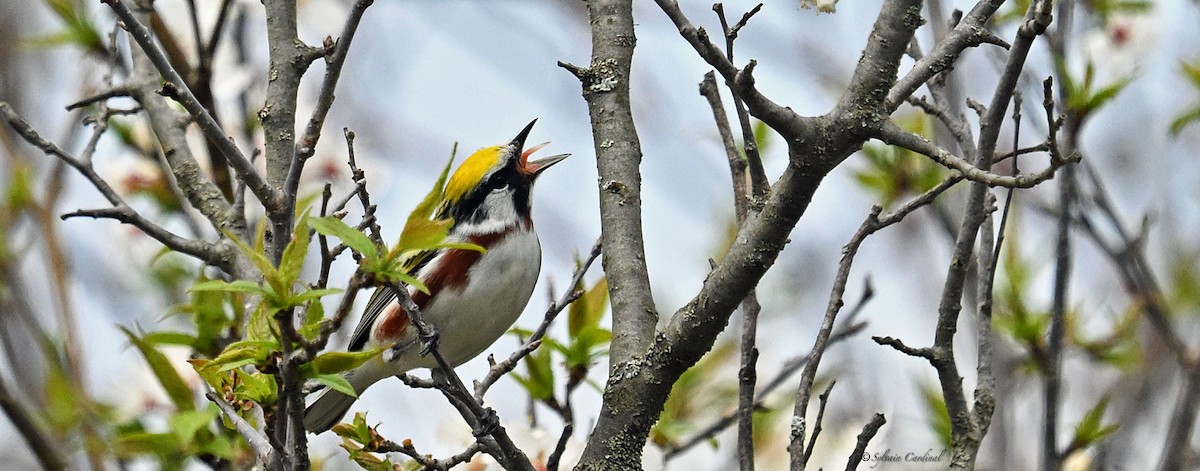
(473, 297)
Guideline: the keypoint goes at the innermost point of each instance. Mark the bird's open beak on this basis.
(535, 167)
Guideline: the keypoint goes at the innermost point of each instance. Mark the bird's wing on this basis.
(383, 297)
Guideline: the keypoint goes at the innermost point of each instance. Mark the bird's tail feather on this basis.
(327, 410)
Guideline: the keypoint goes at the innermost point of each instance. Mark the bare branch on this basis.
(40, 443)
(872, 224)
(105, 95)
(618, 158)
(256, 439)
(899, 345)
(967, 431)
(747, 374)
(971, 31)
(336, 53)
(897, 136)
(758, 177)
(790, 367)
(483, 418)
(177, 88)
(406, 448)
(864, 438)
(778, 117)
(205, 251)
(1052, 370)
(208, 252)
(823, 399)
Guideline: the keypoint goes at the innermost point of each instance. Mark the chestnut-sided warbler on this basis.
(473, 297)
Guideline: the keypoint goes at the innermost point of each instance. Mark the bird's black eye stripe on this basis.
(497, 182)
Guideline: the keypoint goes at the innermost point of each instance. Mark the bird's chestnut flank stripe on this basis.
(452, 272)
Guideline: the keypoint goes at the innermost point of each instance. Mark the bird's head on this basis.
(493, 186)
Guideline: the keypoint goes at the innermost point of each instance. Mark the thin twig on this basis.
(790, 367)
(872, 224)
(99, 97)
(822, 400)
(335, 53)
(208, 252)
(177, 88)
(895, 135)
(864, 438)
(255, 438)
(406, 448)
(747, 373)
(505, 451)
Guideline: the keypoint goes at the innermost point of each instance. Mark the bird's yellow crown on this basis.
(471, 172)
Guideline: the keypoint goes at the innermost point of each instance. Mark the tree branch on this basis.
(864, 438)
(637, 388)
(40, 443)
(447, 381)
(971, 31)
(177, 89)
(895, 135)
(871, 225)
(256, 439)
(618, 158)
(966, 432)
(779, 118)
(213, 254)
(335, 59)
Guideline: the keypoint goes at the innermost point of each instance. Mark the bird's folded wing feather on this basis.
(383, 297)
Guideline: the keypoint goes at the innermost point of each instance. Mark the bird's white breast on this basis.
(499, 285)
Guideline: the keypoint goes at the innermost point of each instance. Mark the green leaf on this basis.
(313, 294)
(236, 286)
(356, 431)
(256, 254)
(1104, 95)
(426, 208)
(260, 326)
(20, 191)
(1092, 428)
(367, 460)
(177, 389)
(539, 382)
(141, 443)
(1189, 116)
(258, 387)
(762, 135)
(211, 319)
(314, 313)
(398, 275)
(218, 446)
(461, 246)
(588, 310)
(421, 231)
(169, 338)
(337, 362)
(185, 425)
(242, 353)
(939, 416)
(337, 383)
(63, 409)
(350, 236)
(422, 234)
(292, 261)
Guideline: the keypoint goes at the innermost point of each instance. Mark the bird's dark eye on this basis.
(496, 182)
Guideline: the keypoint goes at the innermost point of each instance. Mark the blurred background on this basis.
(423, 76)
